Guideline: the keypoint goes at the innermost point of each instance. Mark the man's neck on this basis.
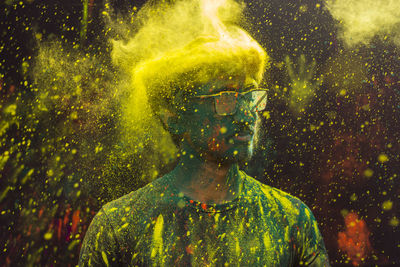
(205, 180)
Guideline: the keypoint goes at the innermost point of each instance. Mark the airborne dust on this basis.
(69, 143)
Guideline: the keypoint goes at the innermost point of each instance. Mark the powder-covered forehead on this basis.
(202, 61)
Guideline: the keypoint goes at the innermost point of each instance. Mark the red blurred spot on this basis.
(91, 4)
(40, 212)
(66, 217)
(59, 227)
(212, 144)
(388, 80)
(75, 221)
(189, 249)
(204, 206)
(29, 230)
(11, 89)
(355, 239)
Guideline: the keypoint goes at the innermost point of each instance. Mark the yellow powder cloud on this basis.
(362, 20)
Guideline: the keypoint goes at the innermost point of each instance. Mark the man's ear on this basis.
(172, 121)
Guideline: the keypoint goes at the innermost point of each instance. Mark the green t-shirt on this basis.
(157, 226)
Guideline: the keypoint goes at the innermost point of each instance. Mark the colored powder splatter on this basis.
(354, 241)
(67, 146)
(157, 246)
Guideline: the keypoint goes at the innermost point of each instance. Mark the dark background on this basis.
(340, 156)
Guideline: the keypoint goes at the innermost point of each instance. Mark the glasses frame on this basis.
(236, 99)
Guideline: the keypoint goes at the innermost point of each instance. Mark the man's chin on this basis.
(243, 157)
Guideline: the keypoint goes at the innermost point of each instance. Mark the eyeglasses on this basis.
(226, 101)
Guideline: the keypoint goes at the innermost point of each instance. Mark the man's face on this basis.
(220, 138)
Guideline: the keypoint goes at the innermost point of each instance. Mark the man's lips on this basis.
(244, 136)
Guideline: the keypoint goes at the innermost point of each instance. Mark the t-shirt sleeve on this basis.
(311, 248)
(100, 246)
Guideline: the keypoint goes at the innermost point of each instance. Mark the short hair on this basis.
(203, 60)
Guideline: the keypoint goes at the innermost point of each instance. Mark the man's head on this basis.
(187, 103)
(213, 54)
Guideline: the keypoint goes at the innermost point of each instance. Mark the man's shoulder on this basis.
(277, 200)
(134, 202)
(257, 187)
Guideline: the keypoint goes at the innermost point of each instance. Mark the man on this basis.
(206, 212)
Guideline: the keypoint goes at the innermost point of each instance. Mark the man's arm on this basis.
(311, 247)
(100, 246)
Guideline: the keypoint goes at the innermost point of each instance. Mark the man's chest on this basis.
(207, 239)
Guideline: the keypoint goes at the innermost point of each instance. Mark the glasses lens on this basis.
(225, 103)
(259, 100)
